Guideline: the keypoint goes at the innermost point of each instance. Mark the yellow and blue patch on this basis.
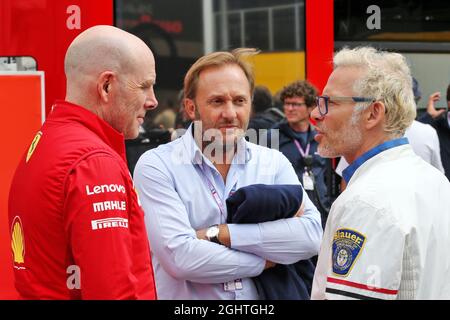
(347, 245)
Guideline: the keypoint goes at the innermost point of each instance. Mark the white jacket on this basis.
(388, 234)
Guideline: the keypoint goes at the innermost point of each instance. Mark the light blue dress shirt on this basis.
(177, 201)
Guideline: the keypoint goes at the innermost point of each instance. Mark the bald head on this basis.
(111, 73)
(103, 48)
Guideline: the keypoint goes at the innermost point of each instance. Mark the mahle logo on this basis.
(34, 145)
(17, 241)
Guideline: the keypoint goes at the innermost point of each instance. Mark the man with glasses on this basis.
(387, 234)
(298, 145)
(422, 138)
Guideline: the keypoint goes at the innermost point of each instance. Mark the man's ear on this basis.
(375, 114)
(189, 108)
(105, 84)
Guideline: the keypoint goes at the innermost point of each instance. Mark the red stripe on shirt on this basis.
(361, 286)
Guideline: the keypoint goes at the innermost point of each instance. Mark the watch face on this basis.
(212, 232)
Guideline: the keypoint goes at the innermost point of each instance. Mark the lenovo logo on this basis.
(105, 188)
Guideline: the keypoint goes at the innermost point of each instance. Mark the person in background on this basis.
(182, 120)
(387, 235)
(166, 118)
(296, 142)
(423, 137)
(77, 228)
(264, 115)
(440, 120)
(183, 186)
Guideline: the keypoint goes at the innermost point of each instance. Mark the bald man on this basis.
(77, 228)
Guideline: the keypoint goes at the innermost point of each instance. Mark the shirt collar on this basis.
(195, 155)
(72, 112)
(351, 169)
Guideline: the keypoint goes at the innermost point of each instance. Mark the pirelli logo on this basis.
(109, 223)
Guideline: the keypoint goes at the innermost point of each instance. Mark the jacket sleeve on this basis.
(284, 241)
(96, 220)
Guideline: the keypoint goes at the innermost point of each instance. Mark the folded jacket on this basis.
(261, 203)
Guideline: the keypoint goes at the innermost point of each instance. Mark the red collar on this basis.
(73, 112)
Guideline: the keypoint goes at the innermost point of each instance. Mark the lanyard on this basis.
(236, 284)
(303, 153)
(214, 192)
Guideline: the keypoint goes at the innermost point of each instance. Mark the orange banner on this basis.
(22, 113)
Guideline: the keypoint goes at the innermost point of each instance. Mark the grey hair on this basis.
(388, 79)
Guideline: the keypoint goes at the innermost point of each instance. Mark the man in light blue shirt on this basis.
(183, 186)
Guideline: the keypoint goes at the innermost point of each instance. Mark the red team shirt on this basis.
(77, 229)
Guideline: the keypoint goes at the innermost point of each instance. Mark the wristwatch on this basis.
(212, 233)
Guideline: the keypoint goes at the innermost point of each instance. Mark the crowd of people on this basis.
(215, 215)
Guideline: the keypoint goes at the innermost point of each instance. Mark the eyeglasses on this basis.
(322, 102)
(294, 104)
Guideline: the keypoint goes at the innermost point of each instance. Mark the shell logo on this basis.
(33, 145)
(17, 241)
